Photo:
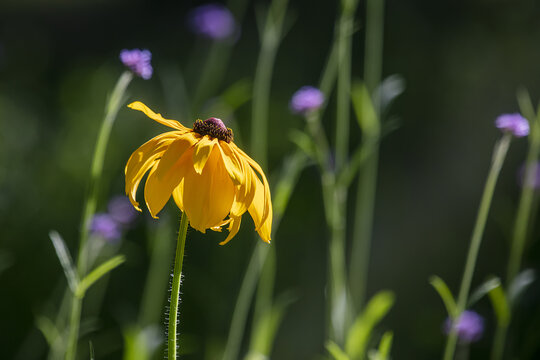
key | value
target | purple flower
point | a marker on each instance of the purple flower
(469, 327)
(103, 225)
(213, 21)
(307, 99)
(121, 210)
(138, 61)
(513, 123)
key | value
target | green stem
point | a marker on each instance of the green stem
(499, 154)
(115, 101)
(175, 291)
(520, 231)
(113, 105)
(367, 182)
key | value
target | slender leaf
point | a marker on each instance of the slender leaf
(520, 283)
(483, 290)
(445, 294)
(91, 348)
(525, 104)
(389, 89)
(98, 273)
(364, 110)
(48, 329)
(304, 142)
(500, 305)
(383, 352)
(360, 332)
(65, 260)
(336, 351)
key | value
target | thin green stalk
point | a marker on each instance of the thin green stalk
(115, 101)
(499, 154)
(270, 38)
(175, 290)
(367, 181)
(113, 105)
(337, 195)
(520, 231)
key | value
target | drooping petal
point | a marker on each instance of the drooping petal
(257, 209)
(266, 187)
(158, 189)
(234, 226)
(137, 105)
(203, 149)
(178, 194)
(246, 191)
(207, 197)
(174, 152)
(142, 160)
(232, 163)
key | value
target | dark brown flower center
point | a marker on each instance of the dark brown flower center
(213, 127)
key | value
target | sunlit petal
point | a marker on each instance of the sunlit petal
(203, 149)
(208, 196)
(232, 163)
(257, 209)
(174, 152)
(234, 226)
(137, 105)
(178, 194)
(142, 160)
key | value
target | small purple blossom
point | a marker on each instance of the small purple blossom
(103, 225)
(138, 61)
(213, 21)
(121, 210)
(513, 123)
(306, 99)
(469, 327)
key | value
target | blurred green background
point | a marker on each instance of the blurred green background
(462, 62)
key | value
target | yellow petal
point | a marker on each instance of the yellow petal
(232, 163)
(257, 209)
(245, 192)
(174, 152)
(142, 160)
(203, 148)
(137, 105)
(178, 195)
(207, 197)
(158, 189)
(234, 226)
(257, 167)
(218, 227)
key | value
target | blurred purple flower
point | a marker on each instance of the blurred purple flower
(103, 225)
(470, 327)
(306, 99)
(213, 21)
(513, 123)
(534, 182)
(138, 61)
(121, 210)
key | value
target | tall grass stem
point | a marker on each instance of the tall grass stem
(499, 154)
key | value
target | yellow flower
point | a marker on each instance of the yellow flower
(208, 176)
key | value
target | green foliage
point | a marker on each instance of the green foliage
(483, 289)
(445, 294)
(500, 305)
(98, 273)
(366, 115)
(361, 331)
(383, 352)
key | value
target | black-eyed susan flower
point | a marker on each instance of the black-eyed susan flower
(208, 176)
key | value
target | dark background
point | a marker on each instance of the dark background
(462, 62)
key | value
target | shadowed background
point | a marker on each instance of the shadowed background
(462, 62)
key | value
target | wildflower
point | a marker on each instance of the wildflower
(208, 176)
(469, 327)
(213, 21)
(138, 61)
(306, 99)
(513, 123)
(103, 225)
(121, 211)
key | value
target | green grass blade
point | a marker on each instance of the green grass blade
(500, 305)
(336, 351)
(65, 260)
(360, 332)
(445, 294)
(482, 290)
(98, 273)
